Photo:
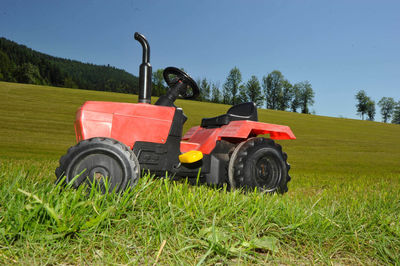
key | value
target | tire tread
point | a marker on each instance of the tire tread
(246, 148)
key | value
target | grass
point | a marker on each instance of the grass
(343, 204)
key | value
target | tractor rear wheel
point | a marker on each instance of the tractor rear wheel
(98, 159)
(259, 163)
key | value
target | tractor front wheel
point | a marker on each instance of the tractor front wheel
(96, 160)
(259, 163)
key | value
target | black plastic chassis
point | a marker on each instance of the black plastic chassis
(162, 158)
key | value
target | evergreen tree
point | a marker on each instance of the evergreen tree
(6, 67)
(285, 96)
(110, 85)
(396, 114)
(226, 96)
(159, 87)
(28, 73)
(253, 91)
(215, 94)
(387, 105)
(204, 90)
(272, 85)
(232, 86)
(278, 92)
(306, 96)
(296, 100)
(242, 98)
(69, 83)
(54, 74)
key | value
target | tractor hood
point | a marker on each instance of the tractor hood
(125, 122)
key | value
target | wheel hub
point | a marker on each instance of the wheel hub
(267, 173)
(99, 173)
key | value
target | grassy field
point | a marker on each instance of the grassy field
(343, 204)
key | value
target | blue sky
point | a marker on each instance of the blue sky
(339, 46)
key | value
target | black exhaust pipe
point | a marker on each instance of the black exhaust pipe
(145, 71)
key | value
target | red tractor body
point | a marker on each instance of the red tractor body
(116, 140)
(128, 123)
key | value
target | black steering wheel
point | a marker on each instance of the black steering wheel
(188, 88)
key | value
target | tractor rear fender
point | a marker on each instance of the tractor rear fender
(204, 139)
(245, 129)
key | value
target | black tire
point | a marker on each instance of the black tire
(259, 162)
(98, 158)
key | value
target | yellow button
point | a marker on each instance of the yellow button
(191, 157)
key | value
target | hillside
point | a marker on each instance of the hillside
(19, 63)
(41, 118)
(342, 206)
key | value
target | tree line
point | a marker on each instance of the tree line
(390, 109)
(273, 92)
(19, 63)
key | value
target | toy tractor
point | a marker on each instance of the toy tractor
(117, 140)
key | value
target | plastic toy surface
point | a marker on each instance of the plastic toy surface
(117, 140)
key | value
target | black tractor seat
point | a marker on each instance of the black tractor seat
(242, 111)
